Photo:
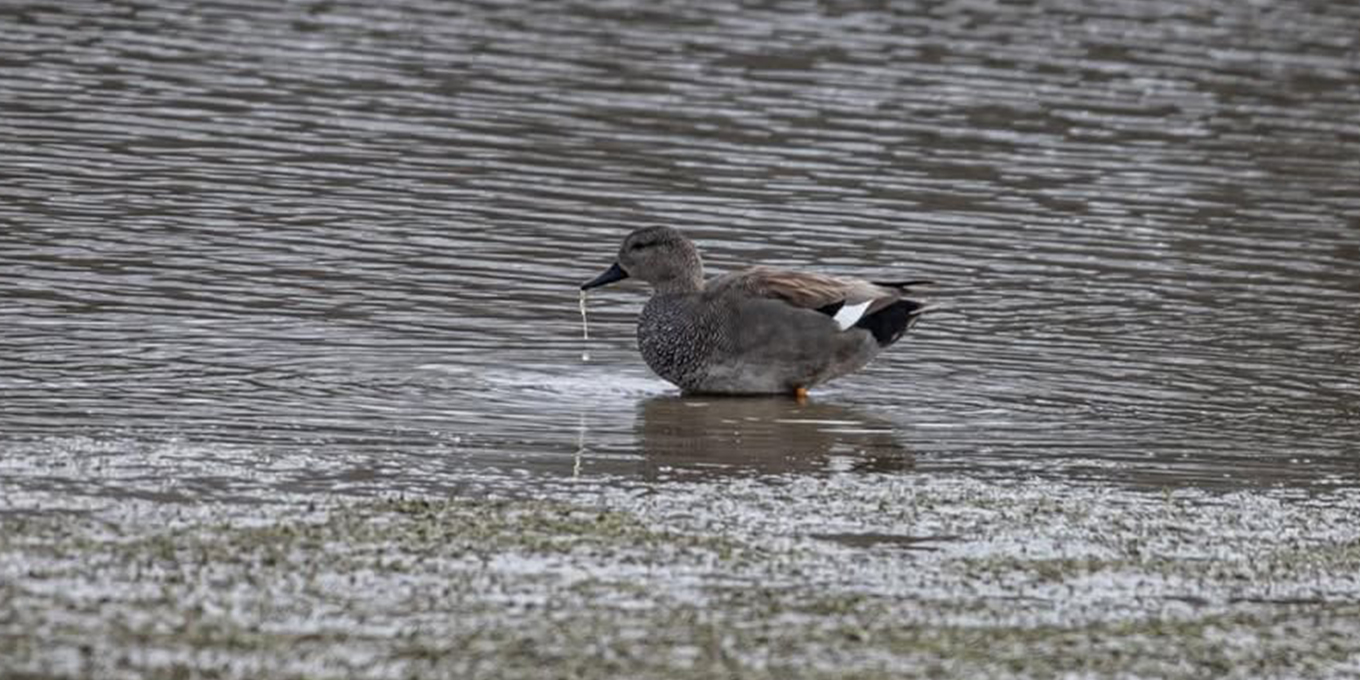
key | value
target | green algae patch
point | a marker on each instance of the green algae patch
(732, 579)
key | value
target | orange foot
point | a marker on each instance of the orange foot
(800, 393)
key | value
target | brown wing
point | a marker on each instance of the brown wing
(806, 290)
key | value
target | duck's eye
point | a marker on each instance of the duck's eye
(638, 246)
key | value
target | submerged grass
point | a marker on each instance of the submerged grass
(1031, 582)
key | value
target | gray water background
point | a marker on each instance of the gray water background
(258, 248)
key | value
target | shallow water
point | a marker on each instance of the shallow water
(255, 248)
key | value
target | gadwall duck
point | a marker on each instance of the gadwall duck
(755, 331)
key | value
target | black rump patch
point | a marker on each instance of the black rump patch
(890, 323)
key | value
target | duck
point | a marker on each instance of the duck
(757, 330)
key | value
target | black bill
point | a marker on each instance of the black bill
(614, 273)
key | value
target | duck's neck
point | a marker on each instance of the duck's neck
(693, 282)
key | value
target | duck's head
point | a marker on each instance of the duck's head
(661, 256)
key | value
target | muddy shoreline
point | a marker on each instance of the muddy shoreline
(860, 576)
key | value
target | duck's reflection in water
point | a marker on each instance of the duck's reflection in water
(687, 437)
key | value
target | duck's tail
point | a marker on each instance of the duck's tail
(903, 285)
(893, 321)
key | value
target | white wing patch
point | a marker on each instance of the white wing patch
(850, 314)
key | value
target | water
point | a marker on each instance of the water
(256, 248)
(585, 329)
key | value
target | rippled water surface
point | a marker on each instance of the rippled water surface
(334, 246)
